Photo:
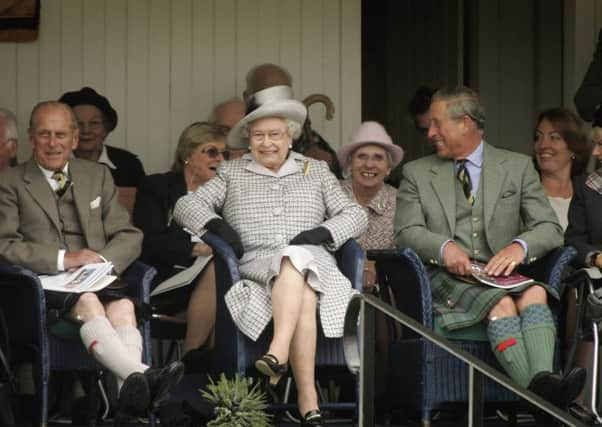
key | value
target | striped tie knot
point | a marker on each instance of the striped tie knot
(464, 178)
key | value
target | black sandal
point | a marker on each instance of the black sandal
(269, 365)
(312, 418)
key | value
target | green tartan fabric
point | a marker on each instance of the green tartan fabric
(459, 304)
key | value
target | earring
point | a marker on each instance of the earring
(290, 146)
(185, 162)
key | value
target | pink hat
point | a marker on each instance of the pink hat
(370, 133)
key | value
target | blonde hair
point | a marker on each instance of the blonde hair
(193, 136)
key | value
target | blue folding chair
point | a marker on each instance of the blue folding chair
(23, 301)
(237, 353)
(423, 375)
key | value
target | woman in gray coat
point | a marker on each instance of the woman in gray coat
(283, 214)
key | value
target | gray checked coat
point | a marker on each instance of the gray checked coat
(267, 210)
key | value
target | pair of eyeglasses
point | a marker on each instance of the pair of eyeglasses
(214, 153)
(272, 135)
(375, 158)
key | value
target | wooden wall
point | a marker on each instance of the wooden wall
(164, 63)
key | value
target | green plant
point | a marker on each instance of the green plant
(238, 403)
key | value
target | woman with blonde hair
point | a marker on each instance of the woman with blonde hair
(169, 248)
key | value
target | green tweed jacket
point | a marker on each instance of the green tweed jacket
(515, 205)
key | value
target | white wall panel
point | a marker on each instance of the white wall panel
(164, 63)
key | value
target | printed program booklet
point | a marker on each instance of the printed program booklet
(87, 278)
(505, 282)
(184, 277)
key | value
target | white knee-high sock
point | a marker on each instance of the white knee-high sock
(132, 340)
(105, 345)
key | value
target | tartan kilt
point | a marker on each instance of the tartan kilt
(459, 304)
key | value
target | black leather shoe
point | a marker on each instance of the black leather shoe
(198, 360)
(572, 384)
(160, 380)
(549, 386)
(269, 365)
(134, 396)
(312, 418)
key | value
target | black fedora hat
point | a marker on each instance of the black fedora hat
(88, 96)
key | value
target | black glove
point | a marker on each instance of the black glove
(315, 236)
(221, 228)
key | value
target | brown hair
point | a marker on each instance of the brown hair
(572, 130)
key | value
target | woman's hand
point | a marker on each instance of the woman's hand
(369, 276)
(223, 230)
(315, 236)
(201, 249)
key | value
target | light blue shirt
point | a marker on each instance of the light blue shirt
(474, 166)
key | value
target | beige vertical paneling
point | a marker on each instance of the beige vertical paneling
(331, 72)
(50, 54)
(8, 76)
(165, 63)
(224, 48)
(28, 70)
(182, 110)
(93, 44)
(202, 57)
(158, 142)
(268, 45)
(312, 22)
(116, 22)
(71, 44)
(137, 130)
(247, 35)
(351, 71)
(290, 41)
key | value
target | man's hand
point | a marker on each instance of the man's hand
(76, 259)
(506, 260)
(455, 259)
(201, 249)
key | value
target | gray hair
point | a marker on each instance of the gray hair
(10, 124)
(294, 128)
(462, 101)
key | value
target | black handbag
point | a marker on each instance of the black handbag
(8, 386)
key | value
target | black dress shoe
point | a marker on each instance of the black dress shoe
(269, 365)
(134, 396)
(549, 386)
(572, 384)
(160, 380)
(312, 418)
(198, 360)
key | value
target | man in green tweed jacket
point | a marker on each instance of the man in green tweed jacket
(472, 201)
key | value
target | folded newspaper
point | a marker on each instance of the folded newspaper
(184, 277)
(87, 278)
(506, 282)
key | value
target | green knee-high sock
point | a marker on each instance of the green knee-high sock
(507, 344)
(539, 333)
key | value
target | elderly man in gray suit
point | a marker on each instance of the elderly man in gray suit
(472, 201)
(58, 213)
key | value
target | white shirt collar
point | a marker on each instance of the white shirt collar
(104, 158)
(48, 175)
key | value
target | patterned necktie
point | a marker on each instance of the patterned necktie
(464, 178)
(61, 178)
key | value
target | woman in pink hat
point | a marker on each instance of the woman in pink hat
(368, 160)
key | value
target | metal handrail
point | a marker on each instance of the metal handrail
(360, 360)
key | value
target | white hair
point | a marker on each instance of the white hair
(293, 129)
(10, 123)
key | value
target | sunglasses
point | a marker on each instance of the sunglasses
(214, 153)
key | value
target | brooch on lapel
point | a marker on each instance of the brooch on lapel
(306, 168)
